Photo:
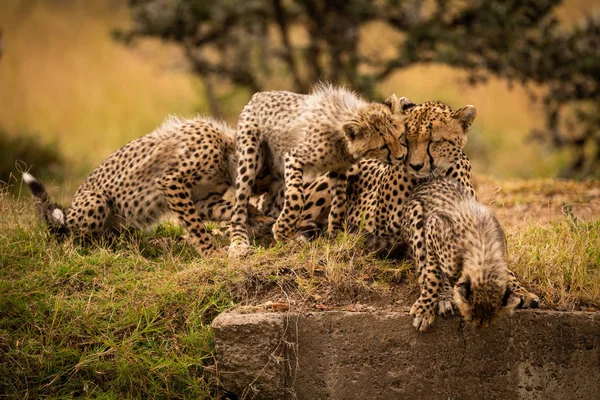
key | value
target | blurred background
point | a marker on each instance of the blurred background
(80, 78)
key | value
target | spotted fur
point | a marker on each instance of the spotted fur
(327, 130)
(185, 167)
(376, 192)
(452, 238)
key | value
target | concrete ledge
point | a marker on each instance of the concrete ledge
(349, 355)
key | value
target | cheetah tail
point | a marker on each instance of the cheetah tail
(52, 213)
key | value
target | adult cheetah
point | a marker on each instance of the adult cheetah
(328, 130)
(453, 239)
(377, 192)
(184, 166)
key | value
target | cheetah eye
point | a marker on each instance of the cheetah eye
(383, 147)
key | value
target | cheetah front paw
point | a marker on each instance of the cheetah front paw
(280, 232)
(528, 300)
(332, 234)
(334, 229)
(424, 315)
(238, 250)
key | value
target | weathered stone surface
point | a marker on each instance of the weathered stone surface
(342, 355)
(251, 354)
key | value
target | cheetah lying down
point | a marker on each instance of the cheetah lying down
(184, 166)
(454, 239)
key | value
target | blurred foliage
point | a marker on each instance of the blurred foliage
(252, 42)
(22, 152)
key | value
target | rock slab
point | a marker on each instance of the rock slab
(378, 355)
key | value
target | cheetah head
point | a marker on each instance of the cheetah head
(377, 131)
(482, 301)
(436, 136)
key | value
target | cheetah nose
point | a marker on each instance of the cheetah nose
(416, 167)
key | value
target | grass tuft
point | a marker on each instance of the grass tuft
(560, 262)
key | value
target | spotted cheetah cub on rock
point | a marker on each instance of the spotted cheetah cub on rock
(455, 240)
(328, 130)
(185, 166)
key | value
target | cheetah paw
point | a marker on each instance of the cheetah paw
(300, 238)
(424, 315)
(332, 233)
(238, 250)
(280, 233)
(445, 307)
(529, 300)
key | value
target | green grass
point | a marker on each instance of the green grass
(132, 318)
(101, 322)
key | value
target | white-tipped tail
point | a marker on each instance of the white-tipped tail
(28, 178)
(59, 216)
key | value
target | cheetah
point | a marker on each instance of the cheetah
(328, 130)
(454, 239)
(184, 166)
(377, 192)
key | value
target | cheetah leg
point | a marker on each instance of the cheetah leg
(527, 299)
(247, 150)
(293, 205)
(430, 275)
(338, 181)
(88, 215)
(445, 254)
(174, 186)
(317, 207)
(446, 302)
(272, 201)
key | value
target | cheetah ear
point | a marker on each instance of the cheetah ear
(405, 104)
(398, 105)
(352, 130)
(393, 103)
(465, 116)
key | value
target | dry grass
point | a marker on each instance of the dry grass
(539, 201)
(560, 262)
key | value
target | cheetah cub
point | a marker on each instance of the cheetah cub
(453, 238)
(328, 130)
(184, 166)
